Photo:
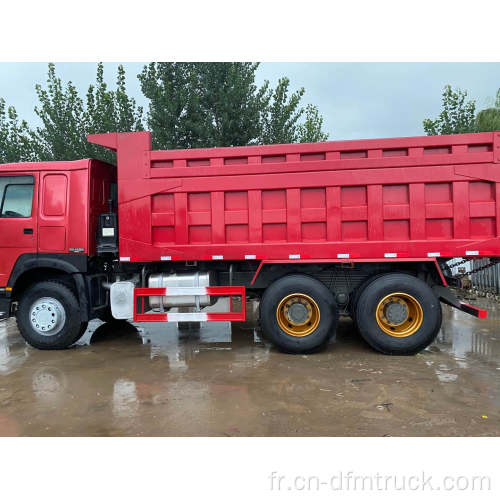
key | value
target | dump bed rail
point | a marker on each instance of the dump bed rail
(390, 198)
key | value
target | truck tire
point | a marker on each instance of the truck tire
(356, 294)
(398, 314)
(48, 316)
(298, 314)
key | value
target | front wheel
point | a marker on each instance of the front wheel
(48, 316)
(298, 314)
(398, 314)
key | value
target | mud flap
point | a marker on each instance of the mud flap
(4, 307)
(446, 296)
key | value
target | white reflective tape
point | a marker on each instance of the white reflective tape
(294, 256)
(250, 257)
(433, 254)
(390, 255)
(124, 259)
(180, 317)
(217, 257)
(185, 290)
(166, 257)
(342, 256)
(472, 252)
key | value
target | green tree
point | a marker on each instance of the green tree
(174, 115)
(456, 117)
(311, 129)
(191, 105)
(219, 104)
(488, 120)
(67, 118)
(128, 114)
(280, 119)
(230, 102)
(61, 111)
(15, 137)
(284, 121)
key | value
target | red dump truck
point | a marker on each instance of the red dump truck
(365, 228)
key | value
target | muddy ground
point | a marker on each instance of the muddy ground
(222, 380)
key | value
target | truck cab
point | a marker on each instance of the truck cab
(48, 220)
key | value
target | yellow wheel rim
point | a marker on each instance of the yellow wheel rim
(298, 315)
(399, 314)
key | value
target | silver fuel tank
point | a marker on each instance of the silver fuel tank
(197, 279)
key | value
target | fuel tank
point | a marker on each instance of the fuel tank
(197, 279)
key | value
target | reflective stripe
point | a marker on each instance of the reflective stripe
(472, 252)
(433, 254)
(186, 317)
(343, 256)
(250, 257)
(294, 256)
(217, 257)
(185, 290)
(166, 257)
(390, 255)
(124, 259)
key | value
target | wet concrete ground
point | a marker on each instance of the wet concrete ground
(223, 381)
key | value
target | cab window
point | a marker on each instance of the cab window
(16, 196)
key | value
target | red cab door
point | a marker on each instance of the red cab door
(53, 212)
(18, 219)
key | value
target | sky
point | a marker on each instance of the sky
(357, 100)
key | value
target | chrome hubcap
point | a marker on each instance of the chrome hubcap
(47, 316)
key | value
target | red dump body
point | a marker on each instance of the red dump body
(415, 198)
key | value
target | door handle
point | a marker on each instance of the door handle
(28, 230)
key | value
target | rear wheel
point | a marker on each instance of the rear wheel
(357, 294)
(398, 314)
(298, 314)
(48, 316)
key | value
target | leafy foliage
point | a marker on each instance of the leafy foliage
(281, 115)
(230, 102)
(191, 105)
(456, 117)
(15, 140)
(311, 129)
(174, 110)
(488, 120)
(61, 112)
(219, 104)
(67, 119)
